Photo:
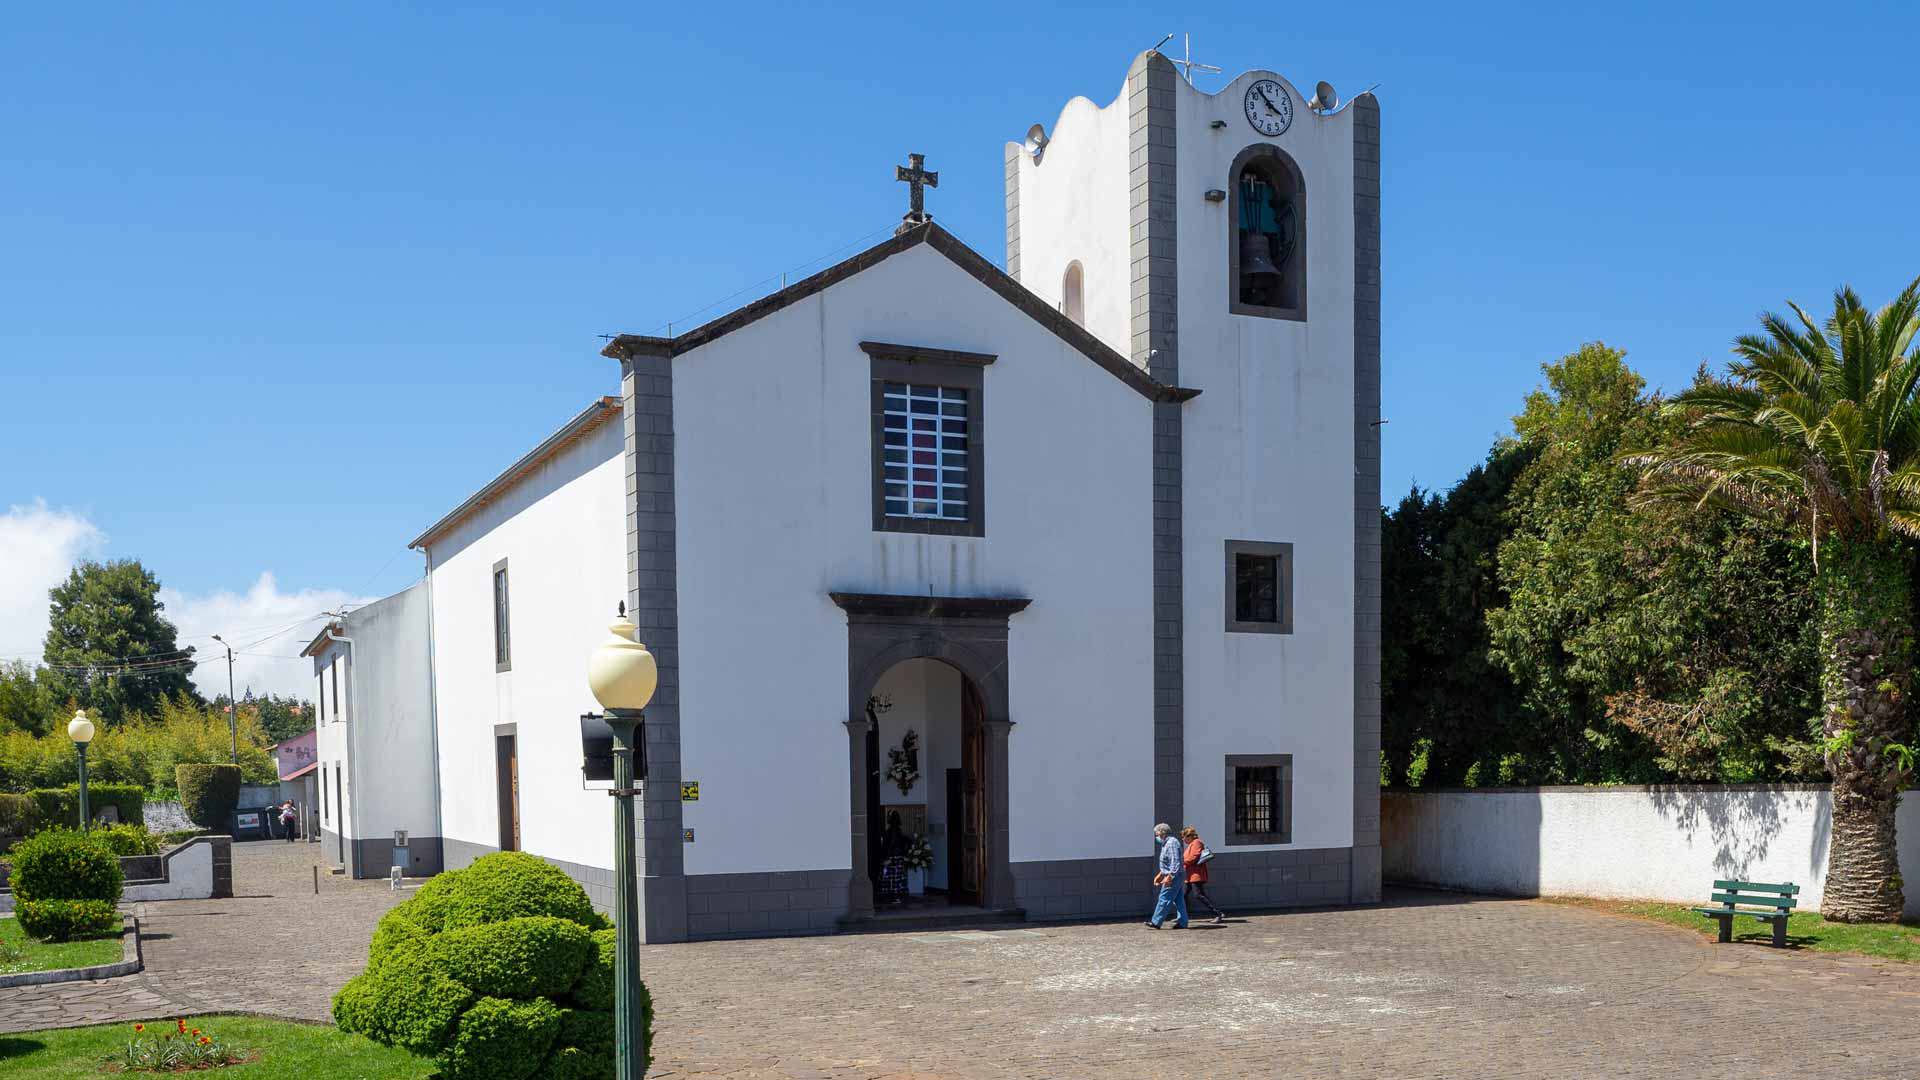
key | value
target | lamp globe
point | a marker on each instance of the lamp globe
(622, 673)
(80, 729)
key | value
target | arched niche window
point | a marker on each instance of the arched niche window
(1267, 261)
(1073, 301)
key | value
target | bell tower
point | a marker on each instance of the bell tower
(1229, 241)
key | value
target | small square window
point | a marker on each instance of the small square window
(1259, 799)
(927, 447)
(1259, 587)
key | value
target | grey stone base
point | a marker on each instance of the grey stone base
(780, 903)
(374, 858)
(1246, 880)
(459, 854)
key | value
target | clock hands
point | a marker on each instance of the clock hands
(1268, 100)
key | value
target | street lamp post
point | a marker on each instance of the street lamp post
(622, 675)
(233, 707)
(80, 730)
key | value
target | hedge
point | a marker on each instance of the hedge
(208, 793)
(64, 920)
(127, 840)
(500, 971)
(57, 808)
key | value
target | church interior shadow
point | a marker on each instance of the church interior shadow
(13, 1046)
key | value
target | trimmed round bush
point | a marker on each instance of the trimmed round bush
(514, 885)
(65, 864)
(500, 1039)
(539, 956)
(208, 793)
(64, 920)
(501, 970)
(127, 840)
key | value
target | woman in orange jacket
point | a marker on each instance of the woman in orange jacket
(1194, 866)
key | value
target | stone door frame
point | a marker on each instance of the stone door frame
(967, 633)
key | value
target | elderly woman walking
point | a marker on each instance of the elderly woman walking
(1167, 875)
(1194, 862)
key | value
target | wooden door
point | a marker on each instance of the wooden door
(507, 760)
(971, 859)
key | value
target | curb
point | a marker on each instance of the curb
(130, 963)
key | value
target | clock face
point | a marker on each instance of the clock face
(1269, 109)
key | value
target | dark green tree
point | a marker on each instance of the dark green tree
(113, 650)
(1816, 429)
(29, 699)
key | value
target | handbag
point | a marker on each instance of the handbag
(1206, 856)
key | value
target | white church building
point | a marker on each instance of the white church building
(1025, 561)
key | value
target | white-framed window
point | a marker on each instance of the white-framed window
(925, 453)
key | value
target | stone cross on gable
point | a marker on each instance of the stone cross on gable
(916, 177)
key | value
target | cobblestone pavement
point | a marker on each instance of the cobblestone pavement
(1428, 986)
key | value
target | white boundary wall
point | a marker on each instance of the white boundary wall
(1654, 843)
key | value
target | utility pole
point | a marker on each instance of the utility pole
(233, 705)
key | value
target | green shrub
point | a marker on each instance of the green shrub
(208, 793)
(501, 1039)
(64, 920)
(16, 815)
(514, 885)
(175, 837)
(126, 840)
(65, 864)
(534, 957)
(59, 808)
(481, 969)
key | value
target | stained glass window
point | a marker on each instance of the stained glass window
(924, 443)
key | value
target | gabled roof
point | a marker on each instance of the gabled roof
(627, 346)
(572, 431)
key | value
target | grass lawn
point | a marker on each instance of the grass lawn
(1805, 929)
(41, 956)
(288, 1051)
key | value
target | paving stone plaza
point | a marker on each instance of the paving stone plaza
(1427, 985)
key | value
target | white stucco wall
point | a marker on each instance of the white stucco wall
(1621, 843)
(563, 534)
(333, 666)
(1075, 202)
(774, 510)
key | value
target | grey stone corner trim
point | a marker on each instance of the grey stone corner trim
(925, 354)
(1013, 211)
(1366, 499)
(1152, 220)
(646, 389)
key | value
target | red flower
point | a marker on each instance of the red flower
(204, 1040)
(196, 1031)
(139, 1027)
(183, 1027)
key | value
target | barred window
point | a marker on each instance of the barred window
(1254, 793)
(1259, 799)
(924, 443)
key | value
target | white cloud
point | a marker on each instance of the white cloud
(267, 628)
(38, 546)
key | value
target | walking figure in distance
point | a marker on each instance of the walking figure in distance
(1173, 893)
(1194, 861)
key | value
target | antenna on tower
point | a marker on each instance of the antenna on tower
(1187, 64)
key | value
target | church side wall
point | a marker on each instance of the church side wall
(1073, 206)
(563, 533)
(773, 479)
(391, 736)
(1268, 455)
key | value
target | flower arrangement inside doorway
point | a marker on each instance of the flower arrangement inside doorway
(903, 762)
(176, 1048)
(919, 854)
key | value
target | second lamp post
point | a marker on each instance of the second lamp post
(623, 675)
(80, 730)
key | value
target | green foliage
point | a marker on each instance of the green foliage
(595, 990)
(59, 808)
(480, 970)
(107, 616)
(127, 840)
(501, 1039)
(537, 956)
(65, 920)
(208, 793)
(65, 864)
(143, 750)
(30, 700)
(514, 885)
(17, 815)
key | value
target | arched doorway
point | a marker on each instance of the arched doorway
(968, 636)
(926, 786)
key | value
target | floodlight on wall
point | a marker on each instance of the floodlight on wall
(1324, 98)
(1036, 142)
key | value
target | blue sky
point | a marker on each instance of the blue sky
(278, 288)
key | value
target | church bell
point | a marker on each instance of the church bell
(1256, 255)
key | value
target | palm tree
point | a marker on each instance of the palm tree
(1817, 428)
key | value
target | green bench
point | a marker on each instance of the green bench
(1768, 903)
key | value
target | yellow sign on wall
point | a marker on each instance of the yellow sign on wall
(690, 791)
